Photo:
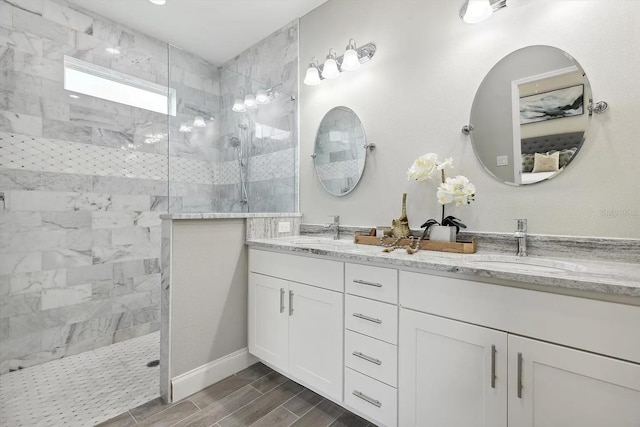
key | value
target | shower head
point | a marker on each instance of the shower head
(234, 141)
(242, 126)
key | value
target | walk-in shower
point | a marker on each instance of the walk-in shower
(85, 177)
(236, 143)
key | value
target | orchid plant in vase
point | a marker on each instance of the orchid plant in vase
(458, 189)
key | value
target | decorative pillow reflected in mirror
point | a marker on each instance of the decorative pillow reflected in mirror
(532, 104)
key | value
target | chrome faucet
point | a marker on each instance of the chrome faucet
(335, 225)
(521, 237)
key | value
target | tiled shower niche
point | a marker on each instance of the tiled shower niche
(84, 180)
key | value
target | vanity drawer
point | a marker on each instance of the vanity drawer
(371, 397)
(376, 319)
(371, 357)
(323, 273)
(372, 282)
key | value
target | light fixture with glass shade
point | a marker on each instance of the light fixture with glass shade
(262, 97)
(474, 11)
(350, 60)
(250, 101)
(184, 128)
(158, 2)
(199, 122)
(330, 67)
(238, 106)
(312, 78)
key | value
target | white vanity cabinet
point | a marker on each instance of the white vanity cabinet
(457, 373)
(296, 327)
(371, 342)
(451, 373)
(551, 385)
(405, 348)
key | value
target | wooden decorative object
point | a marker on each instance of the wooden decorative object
(400, 226)
(462, 247)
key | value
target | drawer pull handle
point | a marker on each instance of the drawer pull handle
(367, 358)
(281, 300)
(370, 319)
(290, 303)
(493, 366)
(364, 282)
(519, 384)
(367, 399)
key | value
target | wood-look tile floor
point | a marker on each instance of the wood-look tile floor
(256, 396)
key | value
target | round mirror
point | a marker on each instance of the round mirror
(339, 153)
(529, 116)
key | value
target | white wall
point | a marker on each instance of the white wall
(416, 94)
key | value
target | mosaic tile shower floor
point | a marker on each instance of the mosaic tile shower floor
(84, 389)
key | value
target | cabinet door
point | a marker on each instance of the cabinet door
(450, 373)
(268, 319)
(315, 338)
(554, 386)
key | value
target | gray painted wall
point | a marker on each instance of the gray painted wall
(209, 292)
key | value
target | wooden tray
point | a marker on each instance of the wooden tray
(461, 246)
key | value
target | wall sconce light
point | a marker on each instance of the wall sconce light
(262, 97)
(350, 61)
(238, 106)
(474, 11)
(250, 101)
(330, 68)
(199, 122)
(312, 78)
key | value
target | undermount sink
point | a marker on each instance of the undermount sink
(317, 242)
(525, 264)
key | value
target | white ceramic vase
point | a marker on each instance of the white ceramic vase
(442, 233)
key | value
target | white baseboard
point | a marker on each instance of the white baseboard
(203, 376)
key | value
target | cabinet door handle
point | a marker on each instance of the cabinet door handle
(364, 282)
(370, 319)
(493, 366)
(281, 300)
(290, 303)
(367, 358)
(367, 399)
(519, 385)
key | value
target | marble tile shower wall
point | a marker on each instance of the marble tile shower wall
(272, 140)
(85, 181)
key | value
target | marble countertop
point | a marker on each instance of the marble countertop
(218, 215)
(611, 278)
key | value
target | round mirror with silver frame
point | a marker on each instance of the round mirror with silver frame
(340, 151)
(530, 115)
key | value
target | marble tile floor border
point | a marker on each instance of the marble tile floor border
(256, 396)
(84, 389)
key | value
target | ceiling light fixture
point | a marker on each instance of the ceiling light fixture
(185, 128)
(350, 61)
(113, 50)
(474, 11)
(159, 2)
